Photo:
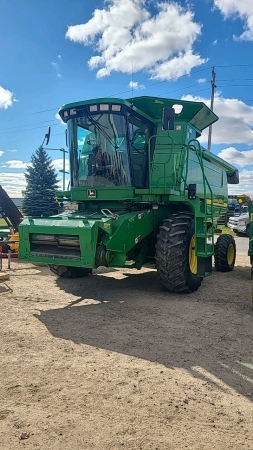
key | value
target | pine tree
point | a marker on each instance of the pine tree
(39, 197)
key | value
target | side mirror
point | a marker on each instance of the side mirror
(47, 136)
(233, 179)
(168, 119)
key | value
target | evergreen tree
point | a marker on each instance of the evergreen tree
(39, 197)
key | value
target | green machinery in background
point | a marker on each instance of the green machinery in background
(145, 190)
(250, 252)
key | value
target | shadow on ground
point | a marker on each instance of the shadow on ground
(209, 333)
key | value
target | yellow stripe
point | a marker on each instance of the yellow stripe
(251, 217)
(217, 203)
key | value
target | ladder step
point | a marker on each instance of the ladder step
(204, 254)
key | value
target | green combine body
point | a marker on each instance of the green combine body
(145, 190)
(250, 251)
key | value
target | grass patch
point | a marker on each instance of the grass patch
(226, 230)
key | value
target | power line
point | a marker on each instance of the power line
(33, 139)
(129, 90)
(238, 79)
(234, 65)
(30, 114)
(185, 88)
(112, 95)
(231, 85)
(28, 125)
(159, 82)
(28, 129)
(48, 121)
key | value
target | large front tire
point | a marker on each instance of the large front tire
(225, 253)
(69, 272)
(176, 259)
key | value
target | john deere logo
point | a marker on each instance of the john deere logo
(92, 193)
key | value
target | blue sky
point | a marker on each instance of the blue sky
(54, 52)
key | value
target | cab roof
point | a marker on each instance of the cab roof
(195, 113)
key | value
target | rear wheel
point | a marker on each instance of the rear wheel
(176, 259)
(69, 272)
(225, 253)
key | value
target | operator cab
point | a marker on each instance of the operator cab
(108, 145)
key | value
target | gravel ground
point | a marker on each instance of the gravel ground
(113, 361)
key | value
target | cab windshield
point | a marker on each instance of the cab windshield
(99, 154)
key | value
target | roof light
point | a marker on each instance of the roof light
(104, 107)
(72, 112)
(93, 108)
(178, 108)
(116, 107)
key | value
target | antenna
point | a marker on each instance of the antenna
(211, 107)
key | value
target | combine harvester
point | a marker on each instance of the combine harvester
(145, 191)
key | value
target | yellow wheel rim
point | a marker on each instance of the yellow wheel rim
(230, 254)
(193, 262)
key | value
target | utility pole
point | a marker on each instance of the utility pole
(211, 107)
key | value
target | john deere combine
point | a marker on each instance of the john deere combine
(145, 192)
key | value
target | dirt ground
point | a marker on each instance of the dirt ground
(112, 361)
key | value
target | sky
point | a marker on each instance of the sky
(55, 52)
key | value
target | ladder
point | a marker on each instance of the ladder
(204, 223)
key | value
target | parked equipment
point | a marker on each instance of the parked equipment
(145, 192)
(12, 216)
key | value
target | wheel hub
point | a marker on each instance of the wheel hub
(193, 260)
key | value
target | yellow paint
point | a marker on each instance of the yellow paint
(217, 203)
(193, 261)
(14, 246)
(231, 254)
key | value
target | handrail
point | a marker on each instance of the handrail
(198, 151)
(152, 163)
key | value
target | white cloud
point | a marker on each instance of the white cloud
(245, 186)
(246, 177)
(234, 156)
(16, 164)
(60, 183)
(12, 150)
(1, 152)
(13, 183)
(55, 65)
(135, 85)
(126, 35)
(58, 117)
(6, 98)
(58, 164)
(238, 8)
(239, 189)
(235, 124)
(201, 80)
(215, 42)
